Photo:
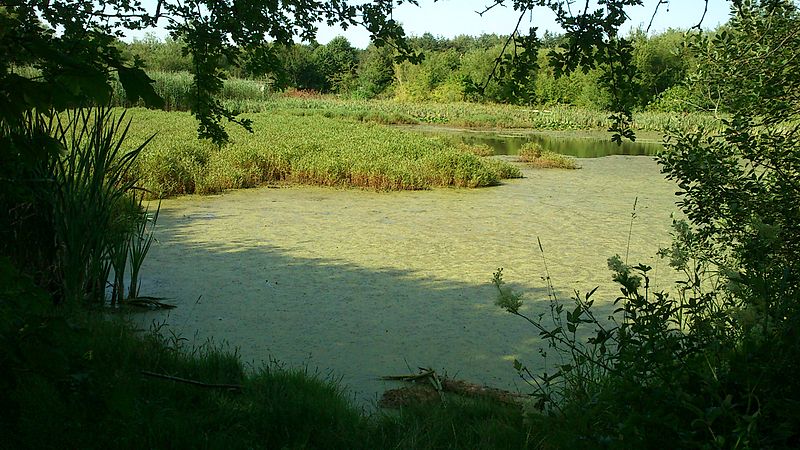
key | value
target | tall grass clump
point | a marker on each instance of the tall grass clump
(175, 89)
(309, 150)
(533, 154)
(71, 209)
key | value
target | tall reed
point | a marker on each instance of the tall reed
(92, 184)
(71, 196)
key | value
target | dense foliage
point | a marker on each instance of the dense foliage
(713, 364)
(457, 69)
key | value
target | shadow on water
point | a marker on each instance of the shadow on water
(366, 284)
(359, 324)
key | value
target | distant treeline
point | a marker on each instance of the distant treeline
(665, 62)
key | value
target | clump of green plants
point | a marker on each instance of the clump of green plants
(308, 150)
(71, 201)
(476, 149)
(533, 154)
(503, 169)
(687, 368)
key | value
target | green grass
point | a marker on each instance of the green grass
(533, 154)
(250, 96)
(175, 89)
(74, 379)
(308, 150)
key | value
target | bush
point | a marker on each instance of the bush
(712, 365)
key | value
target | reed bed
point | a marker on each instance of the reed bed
(175, 88)
(307, 150)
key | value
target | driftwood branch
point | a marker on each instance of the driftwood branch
(230, 387)
(436, 386)
(148, 302)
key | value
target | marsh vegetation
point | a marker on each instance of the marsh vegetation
(368, 248)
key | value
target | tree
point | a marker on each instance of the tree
(336, 62)
(156, 55)
(740, 188)
(299, 65)
(72, 43)
(376, 71)
(662, 62)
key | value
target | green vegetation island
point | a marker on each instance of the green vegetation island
(378, 178)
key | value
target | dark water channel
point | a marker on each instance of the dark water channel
(577, 144)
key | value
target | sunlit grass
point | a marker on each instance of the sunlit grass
(250, 96)
(533, 154)
(308, 150)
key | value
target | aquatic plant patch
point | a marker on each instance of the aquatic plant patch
(533, 154)
(308, 150)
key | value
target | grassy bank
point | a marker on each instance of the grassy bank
(82, 380)
(309, 150)
(249, 96)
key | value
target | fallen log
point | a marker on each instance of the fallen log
(148, 302)
(428, 386)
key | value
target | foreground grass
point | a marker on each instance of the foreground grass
(79, 380)
(308, 150)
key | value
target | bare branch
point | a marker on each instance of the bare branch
(503, 52)
(655, 12)
(230, 387)
(490, 7)
(705, 10)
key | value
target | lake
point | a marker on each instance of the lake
(362, 284)
(580, 144)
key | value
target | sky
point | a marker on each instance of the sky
(450, 18)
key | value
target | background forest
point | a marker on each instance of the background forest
(665, 65)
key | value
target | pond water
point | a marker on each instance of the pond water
(578, 144)
(365, 284)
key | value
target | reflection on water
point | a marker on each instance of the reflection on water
(565, 144)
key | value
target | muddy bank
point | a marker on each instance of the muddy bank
(366, 284)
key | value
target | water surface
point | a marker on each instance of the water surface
(581, 144)
(366, 284)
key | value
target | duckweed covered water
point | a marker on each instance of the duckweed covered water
(366, 284)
